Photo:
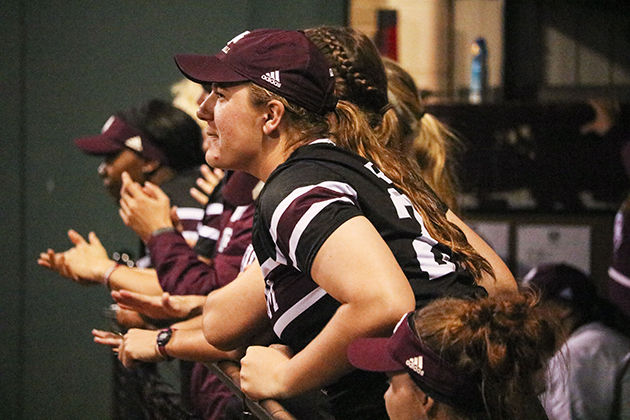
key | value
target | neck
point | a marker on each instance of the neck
(274, 153)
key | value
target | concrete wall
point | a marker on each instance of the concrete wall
(66, 67)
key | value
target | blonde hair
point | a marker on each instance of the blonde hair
(422, 135)
(350, 129)
(186, 93)
(505, 339)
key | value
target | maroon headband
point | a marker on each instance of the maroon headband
(115, 135)
(404, 351)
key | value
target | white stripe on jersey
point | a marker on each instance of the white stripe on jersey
(190, 236)
(214, 209)
(189, 213)
(238, 213)
(618, 277)
(208, 232)
(296, 310)
(268, 266)
(249, 256)
(340, 187)
(304, 221)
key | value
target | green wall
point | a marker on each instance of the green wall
(65, 67)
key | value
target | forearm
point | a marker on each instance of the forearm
(324, 360)
(190, 324)
(246, 291)
(178, 267)
(190, 344)
(135, 279)
(503, 279)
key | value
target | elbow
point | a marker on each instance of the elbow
(213, 326)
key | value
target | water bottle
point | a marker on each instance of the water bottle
(478, 71)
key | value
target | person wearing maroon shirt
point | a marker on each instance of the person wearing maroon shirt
(181, 272)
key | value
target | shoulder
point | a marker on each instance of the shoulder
(595, 339)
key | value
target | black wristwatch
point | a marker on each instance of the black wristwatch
(162, 339)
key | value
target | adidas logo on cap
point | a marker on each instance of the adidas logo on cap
(415, 364)
(134, 143)
(272, 77)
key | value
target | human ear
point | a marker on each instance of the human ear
(275, 112)
(429, 405)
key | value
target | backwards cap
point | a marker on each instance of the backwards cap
(404, 351)
(284, 62)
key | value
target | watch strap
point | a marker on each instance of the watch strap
(160, 344)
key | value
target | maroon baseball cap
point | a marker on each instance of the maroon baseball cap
(117, 135)
(284, 62)
(404, 351)
(562, 282)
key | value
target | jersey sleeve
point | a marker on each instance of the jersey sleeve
(300, 217)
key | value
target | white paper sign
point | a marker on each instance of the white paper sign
(496, 234)
(540, 244)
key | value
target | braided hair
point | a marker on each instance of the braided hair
(505, 339)
(366, 124)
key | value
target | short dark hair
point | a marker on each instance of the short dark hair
(170, 129)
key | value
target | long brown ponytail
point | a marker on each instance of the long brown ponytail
(366, 125)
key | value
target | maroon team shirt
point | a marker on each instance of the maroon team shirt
(181, 272)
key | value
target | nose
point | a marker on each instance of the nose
(205, 111)
(202, 97)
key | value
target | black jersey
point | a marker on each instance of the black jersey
(307, 198)
(303, 202)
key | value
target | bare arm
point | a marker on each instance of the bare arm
(237, 312)
(88, 263)
(503, 279)
(373, 292)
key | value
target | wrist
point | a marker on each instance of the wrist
(159, 231)
(161, 340)
(107, 273)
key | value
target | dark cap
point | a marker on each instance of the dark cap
(117, 135)
(284, 62)
(404, 351)
(564, 283)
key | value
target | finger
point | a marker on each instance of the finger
(75, 238)
(199, 197)
(167, 302)
(130, 298)
(43, 263)
(174, 216)
(94, 239)
(123, 216)
(206, 187)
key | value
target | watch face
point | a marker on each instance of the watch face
(163, 337)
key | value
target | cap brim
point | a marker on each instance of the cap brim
(372, 354)
(206, 69)
(98, 145)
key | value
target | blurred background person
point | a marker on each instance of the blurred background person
(588, 377)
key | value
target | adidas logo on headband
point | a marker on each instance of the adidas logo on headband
(415, 364)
